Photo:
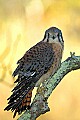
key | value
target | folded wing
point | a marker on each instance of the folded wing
(35, 62)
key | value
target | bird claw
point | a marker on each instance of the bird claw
(40, 90)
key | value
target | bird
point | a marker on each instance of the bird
(37, 64)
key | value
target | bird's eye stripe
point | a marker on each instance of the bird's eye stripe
(48, 38)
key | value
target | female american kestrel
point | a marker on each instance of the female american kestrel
(38, 64)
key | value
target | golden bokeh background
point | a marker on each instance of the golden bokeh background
(22, 25)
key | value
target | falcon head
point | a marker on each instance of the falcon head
(52, 35)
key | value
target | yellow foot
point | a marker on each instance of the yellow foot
(41, 90)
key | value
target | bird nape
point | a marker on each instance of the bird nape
(37, 64)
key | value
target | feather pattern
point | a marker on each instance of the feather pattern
(29, 70)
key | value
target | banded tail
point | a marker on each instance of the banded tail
(25, 104)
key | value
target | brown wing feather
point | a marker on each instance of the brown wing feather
(36, 62)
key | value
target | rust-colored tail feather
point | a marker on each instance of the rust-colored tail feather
(25, 104)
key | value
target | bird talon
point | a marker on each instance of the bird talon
(40, 90)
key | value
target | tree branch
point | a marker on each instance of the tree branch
(39, 105)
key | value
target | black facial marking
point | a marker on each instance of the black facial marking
(48, 38)
(58, 37)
